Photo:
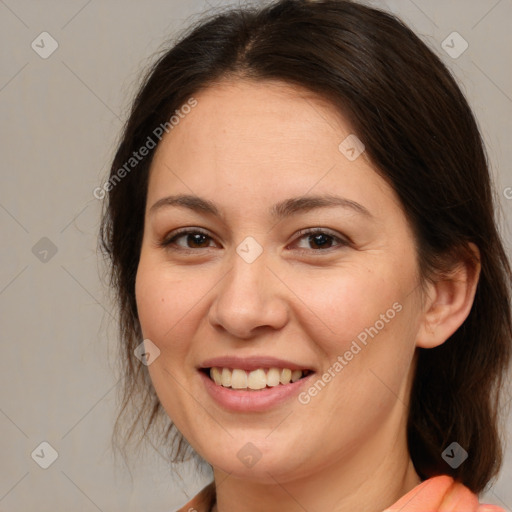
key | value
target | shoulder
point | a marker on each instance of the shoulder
(441, 493)
(202, 501)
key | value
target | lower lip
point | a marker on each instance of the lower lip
(253, 401)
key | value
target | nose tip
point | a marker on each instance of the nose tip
(249, 298)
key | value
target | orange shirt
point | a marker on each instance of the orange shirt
(436, 494)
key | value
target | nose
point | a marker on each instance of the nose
(249, 299)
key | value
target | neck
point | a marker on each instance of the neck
(367, 482)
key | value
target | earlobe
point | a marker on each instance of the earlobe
(449, 301)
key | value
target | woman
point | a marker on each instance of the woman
(301, 232)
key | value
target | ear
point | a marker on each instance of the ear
(448, 301)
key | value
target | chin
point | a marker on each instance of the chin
(252, 463)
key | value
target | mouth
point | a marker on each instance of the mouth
(236, 379)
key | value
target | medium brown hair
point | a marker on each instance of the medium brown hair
(420, 135)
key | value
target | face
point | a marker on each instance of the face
(331, 288)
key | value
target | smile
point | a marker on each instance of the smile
(255, 380)
(244, 399)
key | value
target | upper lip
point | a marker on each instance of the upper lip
(252, 363)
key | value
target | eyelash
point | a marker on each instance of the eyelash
(168, 242)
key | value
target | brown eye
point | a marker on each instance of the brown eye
(316, 239)
(194, 239)
(320, 239)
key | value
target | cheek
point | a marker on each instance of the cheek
(165, 309)
(346, 301)
(172, 305)
(151, 301)
(364, 316)
(162, 302)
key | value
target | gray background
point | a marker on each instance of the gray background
(61, 117)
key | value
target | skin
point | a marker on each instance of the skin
(246, 146)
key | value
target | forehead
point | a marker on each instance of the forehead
(257, 141)
(248, 118)
(261, 125)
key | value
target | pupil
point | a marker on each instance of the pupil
(319, 237)
(195, 238)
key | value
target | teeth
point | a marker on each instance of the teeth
(296, 375)
(216, 376)
(238, 379)
(273, 377)
(256, 379)
(226, 377)
(286, 376)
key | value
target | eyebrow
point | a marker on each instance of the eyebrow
(278, 211)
